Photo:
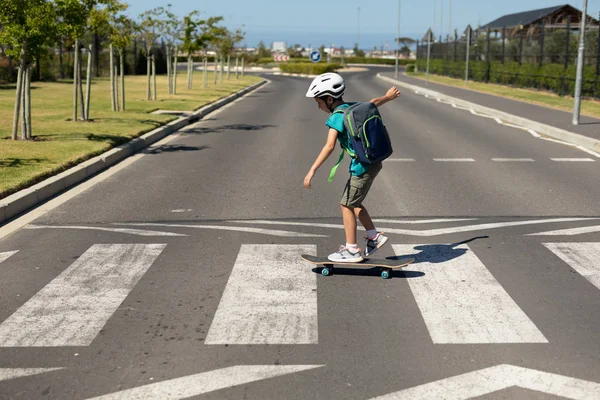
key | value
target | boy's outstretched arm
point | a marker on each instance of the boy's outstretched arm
(323, 155)
(391, 94)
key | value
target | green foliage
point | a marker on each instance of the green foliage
(309, 68)
(410, 68)
(550, 77)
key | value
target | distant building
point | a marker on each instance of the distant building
(279, 47)
(530, 21)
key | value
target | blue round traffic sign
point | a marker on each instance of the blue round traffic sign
(315, 56)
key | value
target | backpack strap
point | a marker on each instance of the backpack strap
(335, 167)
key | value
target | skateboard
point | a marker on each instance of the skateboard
(386, 265)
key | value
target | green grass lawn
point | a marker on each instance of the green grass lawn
(588, 107)
(58, 143)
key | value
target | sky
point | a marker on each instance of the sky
(316, 22)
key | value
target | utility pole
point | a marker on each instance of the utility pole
(398, 39)
(580, 61)
(358, 30)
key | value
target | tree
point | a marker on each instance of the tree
(358, 52)
(147, 32)
(263, 52)
(123, 30)
(27, 28)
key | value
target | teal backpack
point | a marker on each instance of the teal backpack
(366, 133)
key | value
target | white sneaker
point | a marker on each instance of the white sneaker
(372, 245)
(346, 255)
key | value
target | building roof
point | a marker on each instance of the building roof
(523, 18)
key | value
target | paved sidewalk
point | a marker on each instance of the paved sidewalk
(589, 127)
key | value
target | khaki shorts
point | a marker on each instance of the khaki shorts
(357, 187)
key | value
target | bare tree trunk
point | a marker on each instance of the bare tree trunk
(24, 103)
(221, 69)
(16, 115)
(122, 57)
(111, 57)
(148, 71)
(75, 65)
(205, 73)
(169, 75)
(88, 83)
(154, 77)
(28, 102)
(216, 70)
(174, 70)
(228, 66)
(188, 70)
(80, 88)
(116, 80)
(237, 75)
(60, 58)
(243, 65)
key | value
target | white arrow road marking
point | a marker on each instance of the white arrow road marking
(460, 299)
(423, 221)
(488, 380)
(270, 298)
(230, 228)
(194, 385)
(73, 308)
(4, 256)
(569, 232)
(137, 232)
(582, 257)
(12, 373)
(427, 232)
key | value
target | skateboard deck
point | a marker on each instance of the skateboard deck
(386, 265)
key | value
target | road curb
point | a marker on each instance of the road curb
(546, 130)
(28, 198)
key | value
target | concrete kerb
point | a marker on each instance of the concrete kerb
(543, 129)
(25, 199)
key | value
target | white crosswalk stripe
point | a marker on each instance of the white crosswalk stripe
(461, 301)
(582, 257)
(73, 308)
(270, 298)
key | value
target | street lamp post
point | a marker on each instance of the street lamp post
(580, 61)
(398, 39)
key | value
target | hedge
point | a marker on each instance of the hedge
(551, 77)
(372, 60)
(308, 68)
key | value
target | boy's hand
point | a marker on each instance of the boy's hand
(393, 93)
(308, 178)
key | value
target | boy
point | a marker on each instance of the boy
(327, 90)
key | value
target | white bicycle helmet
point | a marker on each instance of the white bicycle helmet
(327, 84)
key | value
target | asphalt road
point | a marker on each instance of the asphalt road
(177, 273)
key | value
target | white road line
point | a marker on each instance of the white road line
(270, 298)
(73, 308)
(485, 381)
(595, 154)
(427, 232)
(270, 232)
(137, 232)
(569, 232)
(513, 159)
(6, 255)
(423, 221)
(582, 257)
(194, 385)
(453, 160)
(12, 373)
(461, 301)
(573, 159)
(401, 159)
(533, 133)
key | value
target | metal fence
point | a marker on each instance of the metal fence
(541, 57)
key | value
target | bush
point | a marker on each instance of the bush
(308, 68)
(410, 68)
(372, 60)
(550, 77)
